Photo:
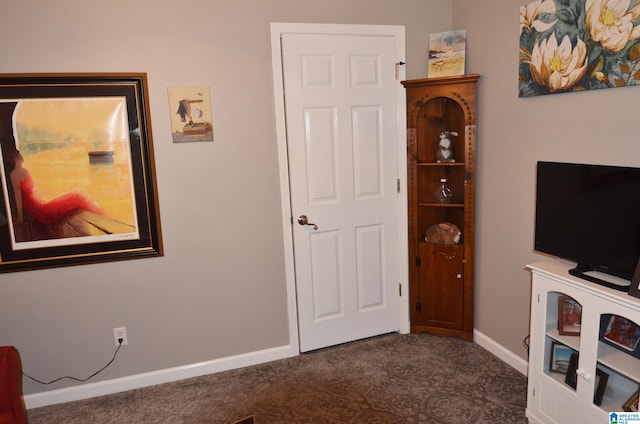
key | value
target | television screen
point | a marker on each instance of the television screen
(589, 214)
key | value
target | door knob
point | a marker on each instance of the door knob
(582, 373)
(303, 220)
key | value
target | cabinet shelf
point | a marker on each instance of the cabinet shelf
(458, 245)
(619, 361)
(441, 164)
(571, 341)
(441, 205)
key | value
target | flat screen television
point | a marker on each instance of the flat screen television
(590, 215)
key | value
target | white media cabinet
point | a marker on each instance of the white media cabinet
(549, 398)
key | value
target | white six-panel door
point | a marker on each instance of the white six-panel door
(341, 131)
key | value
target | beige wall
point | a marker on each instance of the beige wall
(220, 288)
(513, 133)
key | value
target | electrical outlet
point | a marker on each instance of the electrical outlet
(120, 333)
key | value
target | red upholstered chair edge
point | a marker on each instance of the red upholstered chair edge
(12, 409)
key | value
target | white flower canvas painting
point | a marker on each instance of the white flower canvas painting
(578, 45)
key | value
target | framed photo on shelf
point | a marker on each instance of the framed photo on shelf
(571, 377)
(631, 405)
(622, 332)
(569, 316)
(601, 384)
(560, 357)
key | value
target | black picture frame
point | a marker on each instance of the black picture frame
(571, 377)
(600, 386)
(634, 288)
(79, 235)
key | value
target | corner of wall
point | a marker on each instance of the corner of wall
(501, 352)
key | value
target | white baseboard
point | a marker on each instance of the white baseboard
(137, 381)
(501, 352)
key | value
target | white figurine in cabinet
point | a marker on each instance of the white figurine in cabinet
(445, 149)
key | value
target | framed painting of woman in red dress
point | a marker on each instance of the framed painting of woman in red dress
(78, 175)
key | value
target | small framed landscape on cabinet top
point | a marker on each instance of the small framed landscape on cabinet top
(447, 52)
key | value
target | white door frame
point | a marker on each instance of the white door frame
(398, 32)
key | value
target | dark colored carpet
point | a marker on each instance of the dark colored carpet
(411, 378)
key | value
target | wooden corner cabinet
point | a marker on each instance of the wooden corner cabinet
(581, 366)
(441, 150)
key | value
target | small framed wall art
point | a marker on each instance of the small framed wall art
(191, 118)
